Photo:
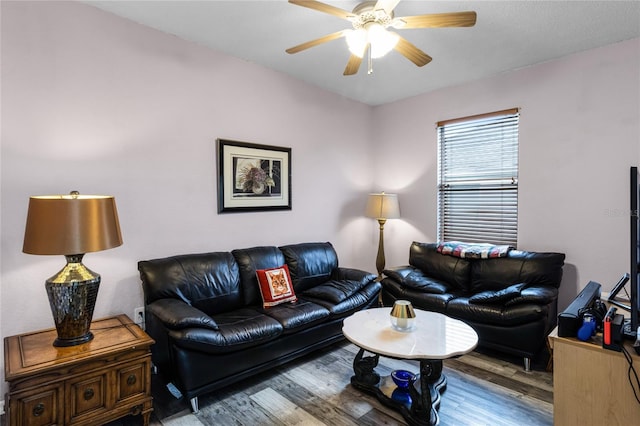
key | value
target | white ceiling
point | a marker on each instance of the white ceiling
(508, 35)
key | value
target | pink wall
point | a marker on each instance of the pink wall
(579, 133)
(99, 104)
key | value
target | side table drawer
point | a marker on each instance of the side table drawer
(39, 407)
(87, 395)
(131, 381)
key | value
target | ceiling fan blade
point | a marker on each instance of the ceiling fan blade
(323, 7)
(312, 43)
(438, 20)
(353, 65)
(412, 53)
(387, 5)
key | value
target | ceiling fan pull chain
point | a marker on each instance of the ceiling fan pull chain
(370, 61)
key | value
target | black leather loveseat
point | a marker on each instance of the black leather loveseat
(206, 312)
(510, 301)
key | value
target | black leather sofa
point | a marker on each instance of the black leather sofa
(510, 301)
(205, 312)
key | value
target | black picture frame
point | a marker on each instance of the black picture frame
(253, 177)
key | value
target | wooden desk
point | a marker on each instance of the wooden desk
(89, 384)
(591, 384)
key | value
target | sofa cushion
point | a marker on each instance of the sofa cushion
(249, 261)
(310, 264)
(297, 316)
(451, 270)
(360, 299)
(335, 291)
(275, 286)
(500, 296)
(208, 281)
(237, 330)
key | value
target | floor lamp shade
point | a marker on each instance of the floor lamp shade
(72, 225)
(382, 207)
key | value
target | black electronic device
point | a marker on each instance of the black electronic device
(570, 320)
(630, 329)
(614, 293)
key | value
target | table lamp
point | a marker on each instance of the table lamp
(382, 207)
(72, 225)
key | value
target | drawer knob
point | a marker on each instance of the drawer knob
(131, 380)
(88, 394)
(38, 410)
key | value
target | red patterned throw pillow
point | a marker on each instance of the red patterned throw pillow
(275, 286)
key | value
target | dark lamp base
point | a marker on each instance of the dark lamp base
(61, 343)
(72, 297)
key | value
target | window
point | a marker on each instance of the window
(478, 178)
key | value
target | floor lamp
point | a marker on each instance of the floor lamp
(72, 225)
(382, 207)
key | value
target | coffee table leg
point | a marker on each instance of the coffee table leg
(363, 367)
(425, 404)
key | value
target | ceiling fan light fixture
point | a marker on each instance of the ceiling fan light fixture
(370, 20)
(381, 40)
(357, 41)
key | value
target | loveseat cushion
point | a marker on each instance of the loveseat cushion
(500, 296)
(208, 281)
(237, 330)
(534, 294)
(310, 264)
(533, 268)
(453, 271)
(460, 308)
(249, 261)
(416, 279)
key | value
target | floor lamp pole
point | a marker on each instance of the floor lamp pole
(380, 258)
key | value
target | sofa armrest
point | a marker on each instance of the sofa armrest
(176, 314)
(540, 295)
(399, 273)
(352, 274)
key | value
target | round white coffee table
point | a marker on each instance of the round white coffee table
(435, 337)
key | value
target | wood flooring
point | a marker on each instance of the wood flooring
(483, 389)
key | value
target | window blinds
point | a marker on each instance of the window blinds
(478, 179)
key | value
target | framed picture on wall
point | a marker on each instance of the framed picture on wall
(253, 177)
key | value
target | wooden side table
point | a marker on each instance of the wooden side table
(591, 385)
(90, 384)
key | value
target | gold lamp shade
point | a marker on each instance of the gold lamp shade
(72, 225)
(402, 315)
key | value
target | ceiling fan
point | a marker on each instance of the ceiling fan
(370, 20)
